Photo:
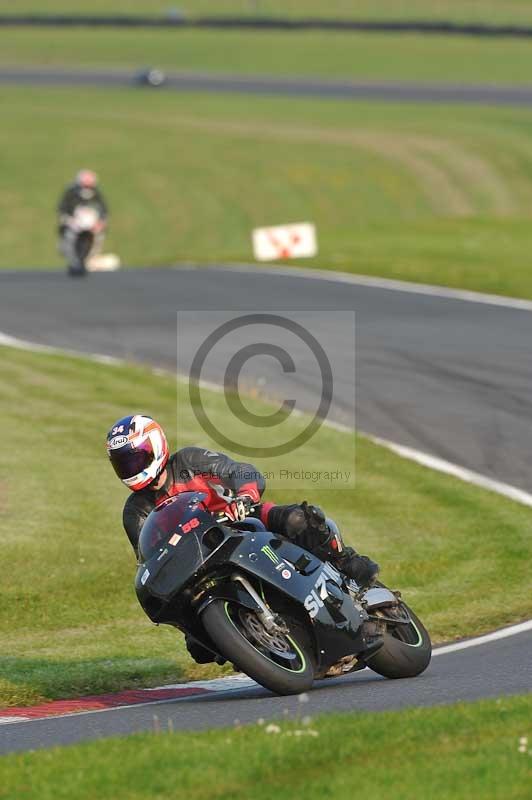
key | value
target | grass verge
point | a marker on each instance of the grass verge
(438, 194)
(450, 753)
(69, 620)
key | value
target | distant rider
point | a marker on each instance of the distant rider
(83, 191)
(138, 451)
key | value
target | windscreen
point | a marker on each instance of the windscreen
(163, 522)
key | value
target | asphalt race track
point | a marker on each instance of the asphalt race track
(396, 91)
(490, 670)
(447, 376)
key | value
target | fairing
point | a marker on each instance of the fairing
(178, 563)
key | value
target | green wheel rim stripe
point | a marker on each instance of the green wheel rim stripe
(292, 642)
(419, 636)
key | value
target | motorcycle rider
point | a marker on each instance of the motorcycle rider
(138, 451)
(83, 191)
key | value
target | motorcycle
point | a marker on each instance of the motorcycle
(274, 610)
(81, 238)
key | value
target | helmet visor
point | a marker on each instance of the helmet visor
(129, 461)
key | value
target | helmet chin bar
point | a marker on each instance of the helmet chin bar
(133, 482)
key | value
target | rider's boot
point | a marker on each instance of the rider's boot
(308, 526)
(360, 568)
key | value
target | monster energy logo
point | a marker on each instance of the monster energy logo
(272, 555)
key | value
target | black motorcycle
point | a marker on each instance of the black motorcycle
(275, 611)
(82, 234)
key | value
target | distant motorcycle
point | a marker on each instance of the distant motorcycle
(271, 608)
(82, 238)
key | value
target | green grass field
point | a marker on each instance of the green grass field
(69, 620)
(324, 55)
(451, 753)
(439, 194)
(515, 11)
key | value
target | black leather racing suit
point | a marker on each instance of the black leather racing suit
(193, 469)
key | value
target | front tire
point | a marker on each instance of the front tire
(76, 271)
(406, 651)
(281, 662)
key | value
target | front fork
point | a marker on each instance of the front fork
(270, 621)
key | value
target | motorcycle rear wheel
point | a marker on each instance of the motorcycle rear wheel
(281, 662)
(406, 651)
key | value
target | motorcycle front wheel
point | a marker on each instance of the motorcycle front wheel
(281, 662)
(407, 648)
(76, 271)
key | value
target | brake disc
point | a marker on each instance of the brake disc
(275, 641)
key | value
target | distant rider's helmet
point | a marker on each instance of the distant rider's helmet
(86, 179)
(138, 450)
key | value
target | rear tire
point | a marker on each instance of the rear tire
(406, 651)
(283, 664)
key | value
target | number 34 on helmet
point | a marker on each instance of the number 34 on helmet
(138, 450)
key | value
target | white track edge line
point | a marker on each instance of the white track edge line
(238, 681)
(462, 473)
(35, 347)
(503, 633)
(390, 284)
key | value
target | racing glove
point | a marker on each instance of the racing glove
(237, 510)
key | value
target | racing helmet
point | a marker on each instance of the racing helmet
(87, 179)
(138, 450)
